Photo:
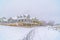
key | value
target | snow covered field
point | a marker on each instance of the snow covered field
(36, 33)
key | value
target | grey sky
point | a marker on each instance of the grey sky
(43, 9)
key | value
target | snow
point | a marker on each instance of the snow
(42, 34)
(35, 33)
(12, 33)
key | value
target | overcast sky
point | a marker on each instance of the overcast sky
(42, 9)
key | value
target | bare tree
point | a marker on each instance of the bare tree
(51, 23)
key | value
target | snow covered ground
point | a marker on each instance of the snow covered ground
(36, 33)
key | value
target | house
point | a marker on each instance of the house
(3, 19)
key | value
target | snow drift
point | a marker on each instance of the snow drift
(36, 33)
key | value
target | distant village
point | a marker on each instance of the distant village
(23, 20)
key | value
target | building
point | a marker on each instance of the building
(3, 19)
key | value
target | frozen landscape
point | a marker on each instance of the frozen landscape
(17, 15)
(35, 33)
